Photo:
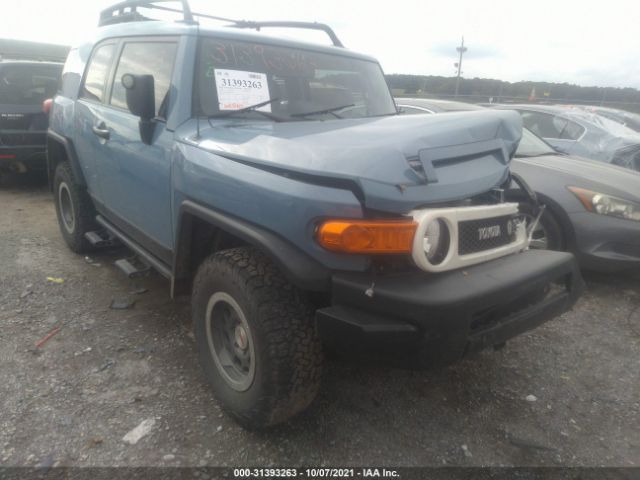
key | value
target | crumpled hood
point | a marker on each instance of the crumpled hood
(397, 162)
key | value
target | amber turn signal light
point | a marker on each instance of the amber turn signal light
(362, 236)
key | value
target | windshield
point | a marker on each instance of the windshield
(294, 84)
(533, 146)
(28, 84)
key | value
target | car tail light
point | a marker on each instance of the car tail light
(369, 237)
(46, 105)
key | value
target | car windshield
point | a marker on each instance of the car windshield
(293, 84)
(28, 84)
(533, 146)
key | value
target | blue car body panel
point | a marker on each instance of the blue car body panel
(249, 168)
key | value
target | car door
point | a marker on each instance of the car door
(89, 115)
(135, 177)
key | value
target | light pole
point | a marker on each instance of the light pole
(461, 49)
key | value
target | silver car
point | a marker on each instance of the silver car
(577, 131)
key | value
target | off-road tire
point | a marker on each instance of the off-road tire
(83, 210)
(287, 350)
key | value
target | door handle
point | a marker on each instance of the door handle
(101, 130)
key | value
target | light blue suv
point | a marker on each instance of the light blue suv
(275, 181)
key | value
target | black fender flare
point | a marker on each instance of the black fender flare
(71, 156)
(300, 269)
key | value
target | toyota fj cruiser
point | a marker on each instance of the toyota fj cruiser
(275, 181)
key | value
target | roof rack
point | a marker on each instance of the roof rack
(127, 11)
(304, 25)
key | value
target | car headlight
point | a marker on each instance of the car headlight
(436, 241)
(607, 204)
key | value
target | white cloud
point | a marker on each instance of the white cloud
(587, 43)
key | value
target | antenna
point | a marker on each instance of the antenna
(197, 82)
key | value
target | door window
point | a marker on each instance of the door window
(145, 58)
(551, 126)
(96, 79)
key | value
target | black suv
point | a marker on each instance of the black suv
(24, 88)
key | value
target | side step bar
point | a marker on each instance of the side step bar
(133, 267)
(146, 257)
(101, 239)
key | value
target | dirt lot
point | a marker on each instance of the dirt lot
(565, 394)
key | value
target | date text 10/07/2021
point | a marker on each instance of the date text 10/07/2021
(315, 473)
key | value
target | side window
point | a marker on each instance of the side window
(572, 131)
(543, 124)
(97, 72)
(145, 58)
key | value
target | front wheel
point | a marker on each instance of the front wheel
(548, 233)
(255, 338)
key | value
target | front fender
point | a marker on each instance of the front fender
(299, 268)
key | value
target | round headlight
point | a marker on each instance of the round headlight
(436, 241)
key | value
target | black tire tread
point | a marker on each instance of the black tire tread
(284, 315)
(83, 208)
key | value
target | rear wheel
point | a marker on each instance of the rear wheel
(75, 211)
(255, 338)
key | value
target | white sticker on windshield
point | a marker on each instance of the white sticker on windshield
(238, 89)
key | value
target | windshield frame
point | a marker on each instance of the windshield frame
(197, 110)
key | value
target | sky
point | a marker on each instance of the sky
(589, 43)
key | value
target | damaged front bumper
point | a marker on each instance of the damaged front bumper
(436, 319)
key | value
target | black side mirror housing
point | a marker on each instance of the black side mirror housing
(141, 101)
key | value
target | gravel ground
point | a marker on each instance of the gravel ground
(565, 394)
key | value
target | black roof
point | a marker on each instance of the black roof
(34, 51)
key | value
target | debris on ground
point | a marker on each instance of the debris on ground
(466, 451)
(527, 444)
(48, 336)
(122, 304)
(92, 262)
(108, 364)
(143, 429)
(169, 457)
(94, 442)
(57, 280)
(531, 398)
(139, 291)
(26, 293)
(86, 350)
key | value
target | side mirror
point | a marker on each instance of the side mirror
(141, 98)
(141, 101)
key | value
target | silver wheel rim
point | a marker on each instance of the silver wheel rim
(67, 213)
(230, 341)
(540, 237)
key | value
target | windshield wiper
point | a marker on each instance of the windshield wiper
(327, 110)
(252, 108)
